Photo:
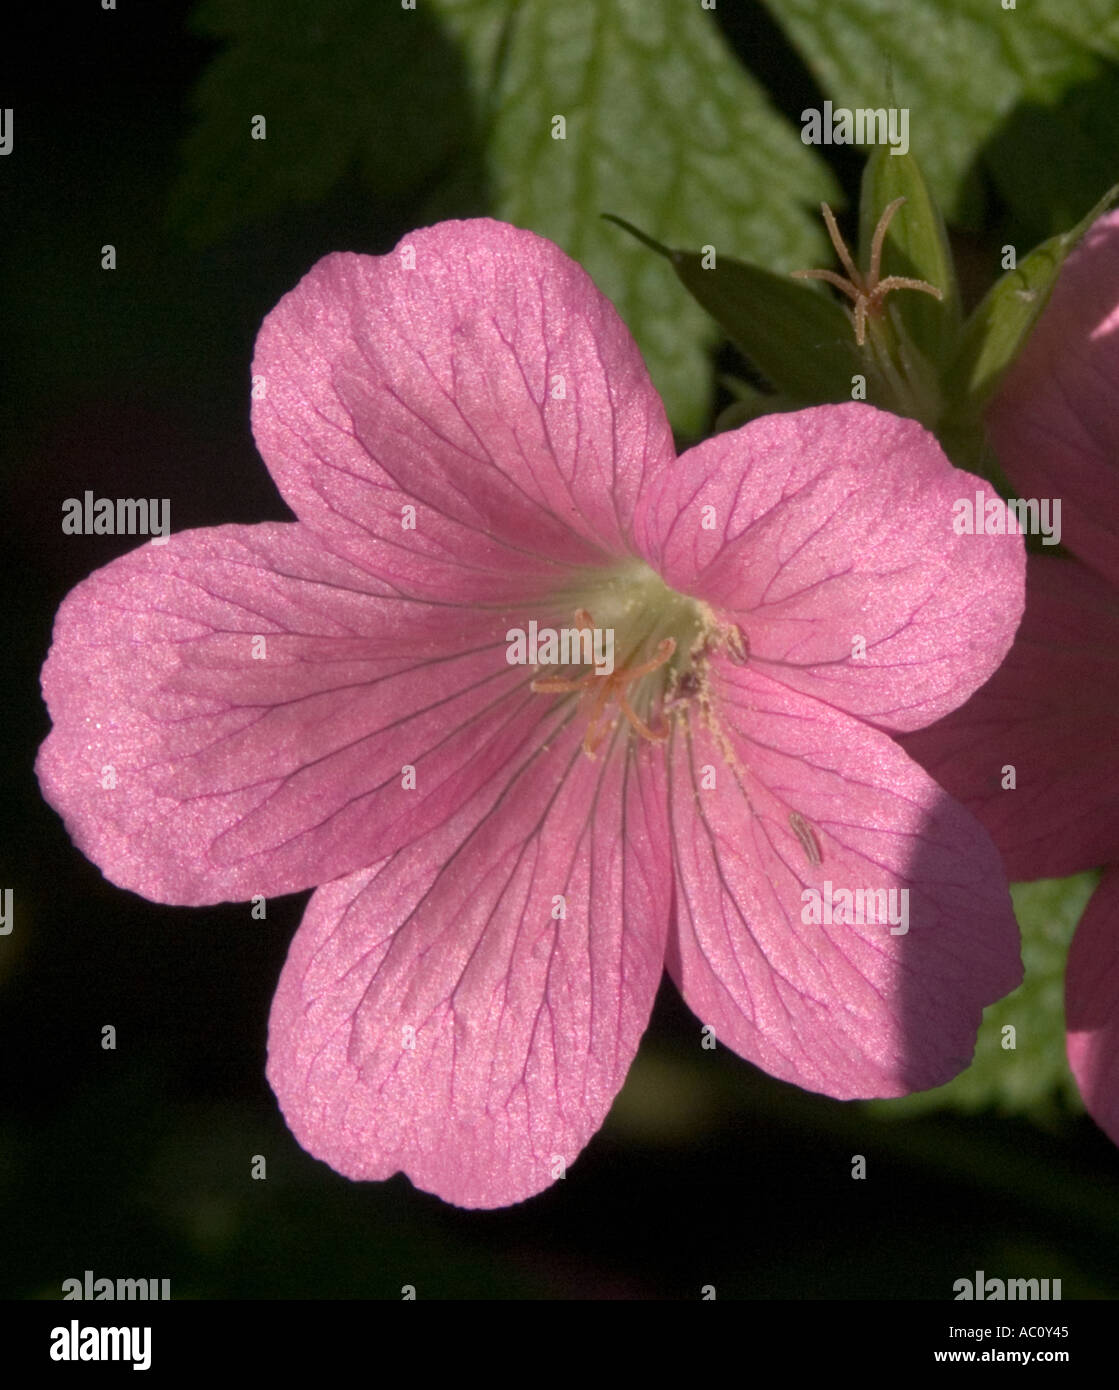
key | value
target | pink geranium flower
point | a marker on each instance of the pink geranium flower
(1050, 711)
(506, 857)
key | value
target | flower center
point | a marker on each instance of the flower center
(635, 652)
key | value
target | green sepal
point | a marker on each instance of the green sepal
(799, 338)
(749, 403)
(916, 246)
(997, 331)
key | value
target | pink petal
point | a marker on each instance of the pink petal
(1055, 419)
(836, 523)
(844, 1009)
(492, 386)
(524, 1024)
(1046, 713)
(1092, 1005)
(236, 776)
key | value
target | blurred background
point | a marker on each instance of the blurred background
(132, 129)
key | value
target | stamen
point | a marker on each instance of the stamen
(606, 687)
(807, 837)
(562, 685)
(632, 673)
(653, 735)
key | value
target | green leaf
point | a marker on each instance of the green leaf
(916, 246)
(341, 84)
(1032, 1077)
(1063, 142)
(968, 71)
(1000, 325)
(451, 108)
(662, 127)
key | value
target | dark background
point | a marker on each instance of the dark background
(136, 1162)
